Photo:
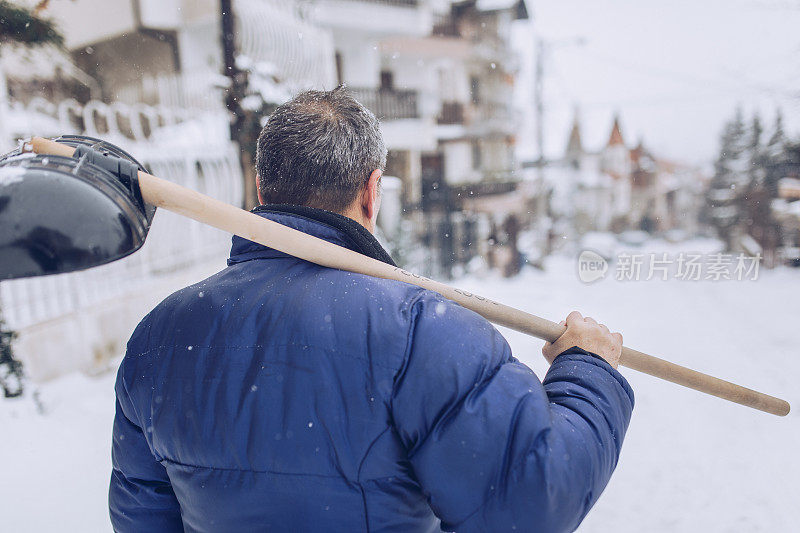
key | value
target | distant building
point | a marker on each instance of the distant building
(619, 188)
(786, 210)
(439, 75)
(168, 52)
(147, 76)
(132, 75)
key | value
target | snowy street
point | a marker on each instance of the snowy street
(637, 162)
(690, 462)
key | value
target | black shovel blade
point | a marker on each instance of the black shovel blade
(61, 214)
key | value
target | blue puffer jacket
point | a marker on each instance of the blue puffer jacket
(279, 395)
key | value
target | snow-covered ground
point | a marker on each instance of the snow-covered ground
(690, 462)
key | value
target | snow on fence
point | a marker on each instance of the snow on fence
(124, 124)
(194, 90)
(81, 320)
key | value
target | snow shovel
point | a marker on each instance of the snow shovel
(85, 215)
(48, 200)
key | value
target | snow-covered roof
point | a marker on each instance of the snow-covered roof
(616, 133)
(40, 62)
(789, 188)
(669, 181)
(23, 122)
(782, 207)
(595, 129)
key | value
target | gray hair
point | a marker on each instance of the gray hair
(318, 149)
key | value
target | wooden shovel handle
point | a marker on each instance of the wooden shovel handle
(189, 203)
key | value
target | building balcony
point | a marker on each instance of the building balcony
(494, 111)
(388, 104)
(396, 3)
(491, 117)
(502, 183)
(385, 17)
(445, 26)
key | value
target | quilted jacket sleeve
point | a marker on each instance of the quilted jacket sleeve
(140, 496)
(494, 448)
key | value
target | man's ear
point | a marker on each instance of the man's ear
(369, 197)
(258, 193)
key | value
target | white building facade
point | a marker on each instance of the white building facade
(146, 75)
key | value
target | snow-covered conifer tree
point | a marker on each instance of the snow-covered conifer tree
(731, 176)
(10, 368)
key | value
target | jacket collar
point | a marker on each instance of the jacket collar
(326, 225)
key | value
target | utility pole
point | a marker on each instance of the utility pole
(541, 188)
(538, 95)
(543, 48)
(228, 36)
(244, 124)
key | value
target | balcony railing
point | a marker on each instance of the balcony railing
(395, 3)
(494, 111)
(492, 185)
(399, 3)
(451, 113)
(445, 26)
(388, 104)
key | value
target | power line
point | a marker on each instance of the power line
(692, 79)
